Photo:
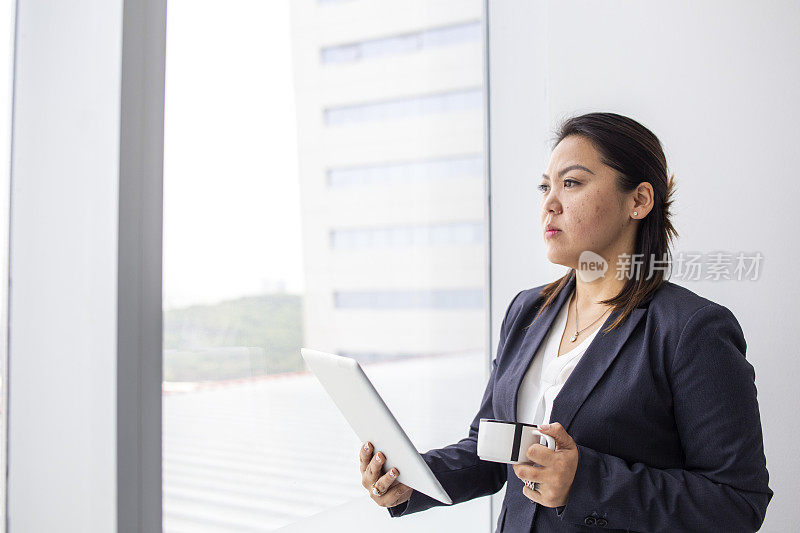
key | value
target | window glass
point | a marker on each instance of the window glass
(336, 205)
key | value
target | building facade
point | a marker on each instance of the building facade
(390, 108)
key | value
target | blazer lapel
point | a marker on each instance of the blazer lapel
(594, 362)
(598, 356)
(533, 339)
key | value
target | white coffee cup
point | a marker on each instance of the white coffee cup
(504, 441)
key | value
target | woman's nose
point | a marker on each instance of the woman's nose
(551, 204)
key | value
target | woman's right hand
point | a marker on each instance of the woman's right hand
(393, 492)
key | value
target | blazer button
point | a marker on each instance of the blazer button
(602, 522)
(589, 521)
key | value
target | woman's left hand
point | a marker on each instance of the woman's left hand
(556, 468)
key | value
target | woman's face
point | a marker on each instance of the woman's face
(581, 199)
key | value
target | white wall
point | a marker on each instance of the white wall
(717, 82)
(7, 16)
(84, 431)
(62, 330)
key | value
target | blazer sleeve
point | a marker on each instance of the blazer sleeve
(724, 482)
(458, 468)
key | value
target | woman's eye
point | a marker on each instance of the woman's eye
(543, 187)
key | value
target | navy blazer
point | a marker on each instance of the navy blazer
(662, 408)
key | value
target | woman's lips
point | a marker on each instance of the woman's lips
(552, 233)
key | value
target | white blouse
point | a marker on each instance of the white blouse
(548, 372)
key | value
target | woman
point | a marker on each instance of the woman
(657, 427)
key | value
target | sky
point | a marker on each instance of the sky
(231, 195)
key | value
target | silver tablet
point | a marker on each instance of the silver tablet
(365, 411)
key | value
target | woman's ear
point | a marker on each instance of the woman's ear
(642, 199)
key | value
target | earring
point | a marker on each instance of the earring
(635, 213)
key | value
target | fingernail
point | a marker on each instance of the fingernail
(379, 457)
(366, 446)
(392, 473)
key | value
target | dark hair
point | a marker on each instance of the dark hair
(636, 153)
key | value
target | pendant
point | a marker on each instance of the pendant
(573, 337)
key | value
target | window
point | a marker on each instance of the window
(427, 104)
(448, 167)
(433, 235)
(402, 44)
(430, 299)
(285, 229)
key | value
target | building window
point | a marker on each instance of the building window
(421, 235)
(402, 44)
(470, 166)
(446, 102)
(412, 299)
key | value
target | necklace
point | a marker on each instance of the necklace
(575, 337)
